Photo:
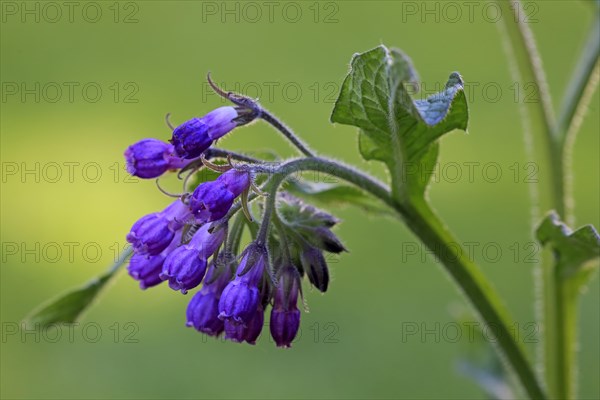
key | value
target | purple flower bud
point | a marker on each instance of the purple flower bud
(241, 297)
(210, 201)
(203, 313)
(284, 326)
(183, 268)
(203, 310)
(325, 239)
(238, 332)
(186, 265)
(315, 266)
(146, 269)
(193, 137)
(150, 158)
(235, 181)
(239, 301)
(285, 316)
(152, 233)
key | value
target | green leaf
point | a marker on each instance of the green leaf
(573, 251)
(337, 194)
(394, 128)
(68, 307)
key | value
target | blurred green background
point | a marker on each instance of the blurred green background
(149, 58)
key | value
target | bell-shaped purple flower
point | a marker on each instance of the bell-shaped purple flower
(146, 268)
(150, 158)
(241, 297)
(203, 309)
(236, 181)
(285, 316)
(238, 332)
(152, 233)
(185, 267)
(210, 201)
(193, 137)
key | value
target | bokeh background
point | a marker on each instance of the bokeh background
(149, 58)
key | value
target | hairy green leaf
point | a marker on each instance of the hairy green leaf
(394, 128)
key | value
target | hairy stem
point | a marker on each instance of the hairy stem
(287, 132)
(550, 145)
(573, 103)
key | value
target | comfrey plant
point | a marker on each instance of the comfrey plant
(195, 243)
(191, 238)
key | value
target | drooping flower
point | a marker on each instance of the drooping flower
(241, 297)
(185, 266)
(203, 309)
(152, 233)
(150, 158)
(249, 332)
(211, 200)
(285, 316)
(146, 268)
(314, 264)
(193, 137)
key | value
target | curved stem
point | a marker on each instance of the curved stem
(573, 103)
(287, 132)
(429, 229)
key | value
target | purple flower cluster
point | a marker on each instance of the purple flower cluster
(181, 244)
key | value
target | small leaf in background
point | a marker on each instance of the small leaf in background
(573, 251)
(394, 128)
(337, 194)
(68, 307)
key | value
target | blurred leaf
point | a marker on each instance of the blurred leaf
(494, 385)
(394, 128)
(337, 194)
(68, 307)
(479, 361)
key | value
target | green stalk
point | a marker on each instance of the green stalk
(550, 144)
